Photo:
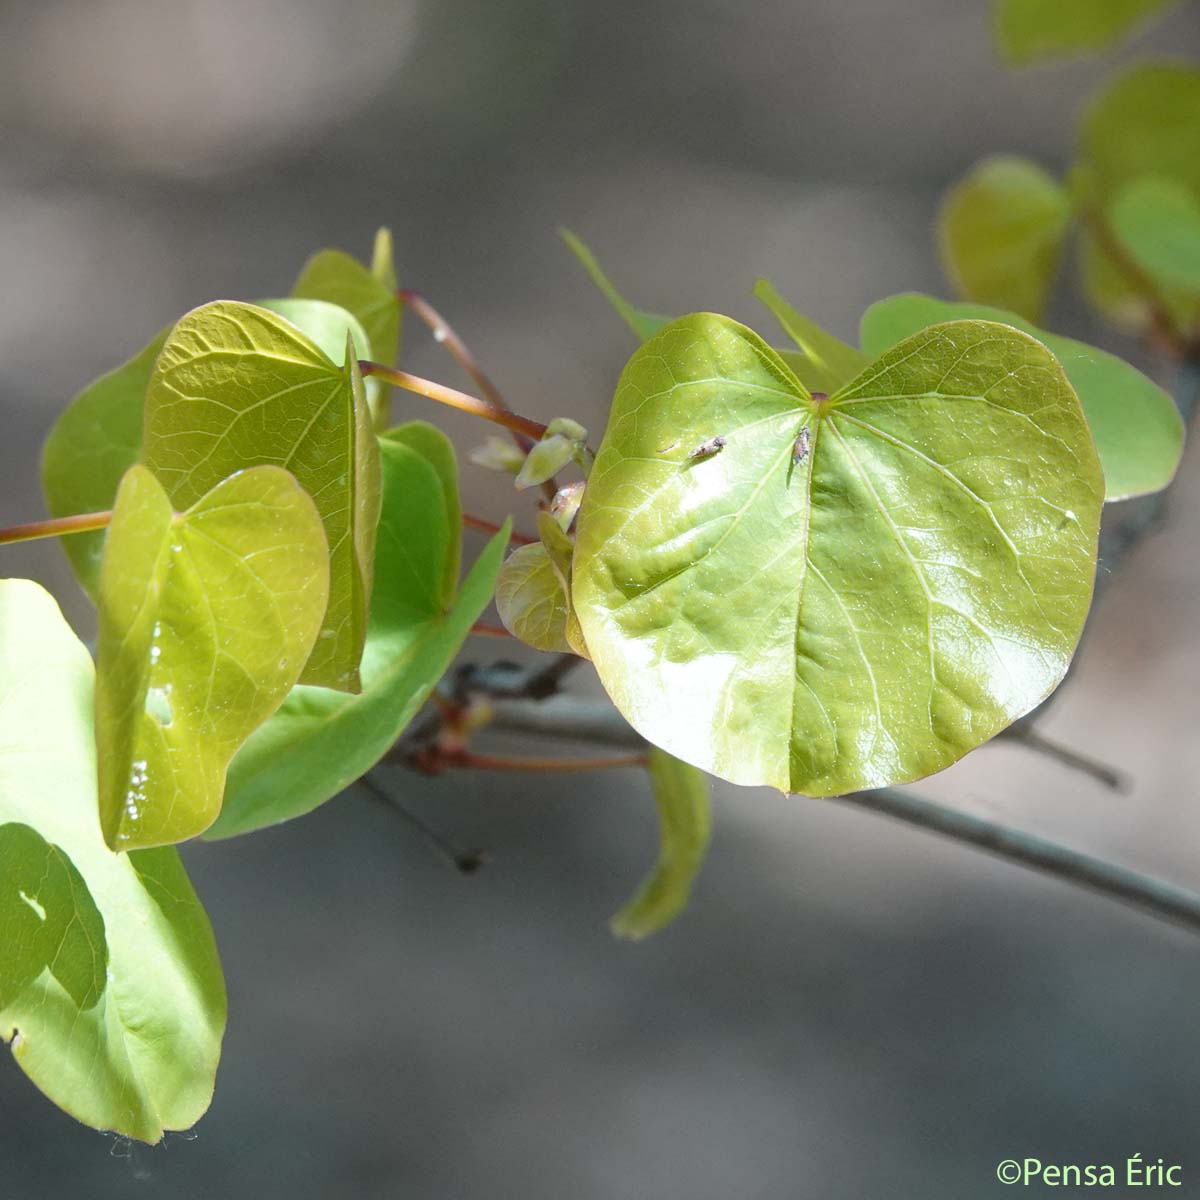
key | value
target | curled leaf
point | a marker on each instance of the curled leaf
(685, 826)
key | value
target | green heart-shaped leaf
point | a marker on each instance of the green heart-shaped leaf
(98, 437)
(1029, 30)
(1157, 222)
(369, 294)
(850, 592)
(319, 741)
(237, 386)
(206, 621)
(530, 599)
(685, 826)
(1001, 230)
(110, 987)
(1135, 424)
(93, 443)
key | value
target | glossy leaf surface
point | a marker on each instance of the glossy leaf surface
(1135, 424)
(849, 593)
(110, 988)
(685, 826)
(531, 601)
(320, 741)
(1001, 231)
(237, 386)
(1030, 30)
(206, 621)
(93, 443)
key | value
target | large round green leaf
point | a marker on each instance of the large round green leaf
(206, 621)
(838, 594)
(320, 741)
(237, 386)
(110, 988)
(1135, 424)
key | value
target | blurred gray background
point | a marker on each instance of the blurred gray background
(849, 1008)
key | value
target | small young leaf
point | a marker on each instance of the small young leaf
(1001, 230)
(319, 741)
(498, 454)
(1030, 30)
(643, 324)
(110, 988)
(685, 825)
(206, 621)
(328, 326)
(865, 616)
(1157, 222)
(530, 600)
(827, 361)
(1135, 424)
(237, 386)
(561, 550)
(93, 443)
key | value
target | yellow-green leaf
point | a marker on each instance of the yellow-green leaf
(1030, 30)
(237, 386)
(206, 620)
(111, 994)
(96, 439)
(368, 293)
(844, 593)
(1157, 221)
(1135, 424)
(320, 741)
(685, 825)
(643, 324)
(827, 362)
(530, 599)
(1001, 232)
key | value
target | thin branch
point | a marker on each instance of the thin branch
(488, 629)
(1029, 737)
(466, 861)
(520, 539)
(1155, 896)
(454, 398)
(444, 334)
(55, 527)
(469, 760)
